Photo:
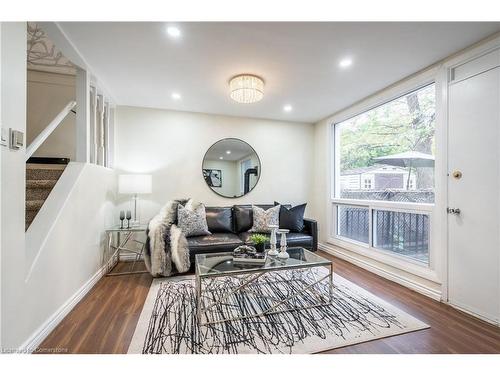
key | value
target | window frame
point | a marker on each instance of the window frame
(427, 271)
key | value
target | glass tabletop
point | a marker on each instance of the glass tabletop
(222, 263)
(135, 228)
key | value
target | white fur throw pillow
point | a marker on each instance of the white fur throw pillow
(192, 219)
(262, 219)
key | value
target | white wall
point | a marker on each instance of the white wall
(68, 256)
(48, 94)
(1, 127)
(170, 145)
(320, 196)
(39, 283)
(13, 111)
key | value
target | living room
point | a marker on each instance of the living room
(193, 186)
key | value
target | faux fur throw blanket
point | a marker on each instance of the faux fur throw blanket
(166, 250)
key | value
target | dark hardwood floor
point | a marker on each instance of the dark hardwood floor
(104, 321)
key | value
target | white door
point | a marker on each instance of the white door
(474, 233)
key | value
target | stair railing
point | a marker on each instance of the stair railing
(40, 138)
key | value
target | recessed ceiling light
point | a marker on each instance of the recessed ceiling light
(344, 63)
(221, 158)
(176, 96)
(287, 108)
(228, 152)
(173, 31)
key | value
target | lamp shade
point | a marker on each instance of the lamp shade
(134, 184)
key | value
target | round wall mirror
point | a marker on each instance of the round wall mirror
(231, 168)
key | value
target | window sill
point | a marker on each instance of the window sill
(402, 263)
(385, 205)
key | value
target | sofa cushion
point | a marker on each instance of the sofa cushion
(216, 241)
(292, 218)
(293, 236)
(220, 219)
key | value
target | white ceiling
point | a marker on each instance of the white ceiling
(142, 66)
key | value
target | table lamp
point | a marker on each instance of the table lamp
(134, 184)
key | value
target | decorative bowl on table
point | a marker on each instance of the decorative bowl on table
(249, 255)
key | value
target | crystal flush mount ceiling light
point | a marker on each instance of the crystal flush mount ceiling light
(246, 88)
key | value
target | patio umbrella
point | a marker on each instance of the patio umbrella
(408, 159)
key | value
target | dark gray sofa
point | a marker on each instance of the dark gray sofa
(230, 228)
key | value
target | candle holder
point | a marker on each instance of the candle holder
(129, 216)
(283, 245)
(272, 241)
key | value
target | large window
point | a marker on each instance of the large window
(391, 145)
(384, 176)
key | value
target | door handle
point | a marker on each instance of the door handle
(454, 211)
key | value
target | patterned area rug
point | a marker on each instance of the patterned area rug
(169, 323)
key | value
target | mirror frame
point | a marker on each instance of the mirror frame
(234, 139)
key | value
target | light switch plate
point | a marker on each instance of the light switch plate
(16, 139)
(4, 137)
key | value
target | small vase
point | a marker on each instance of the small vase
(260, 247)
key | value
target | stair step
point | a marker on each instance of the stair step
(33, 194)
(45, 166)
(40, 184)
(40, 180)
(43, 173)
(34, 205)
(47, 160)
(30, 216)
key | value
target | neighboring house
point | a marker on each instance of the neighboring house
(376, 177)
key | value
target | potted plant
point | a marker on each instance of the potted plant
(259, 241)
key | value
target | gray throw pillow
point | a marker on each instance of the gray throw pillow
(262, 219)
(192, 220)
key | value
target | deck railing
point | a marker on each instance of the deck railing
(400, 232)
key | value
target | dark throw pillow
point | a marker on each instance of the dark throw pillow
(243, 216)
(292, 218)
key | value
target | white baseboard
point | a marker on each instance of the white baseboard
(469, 311)
(411, 284)
(48, 326)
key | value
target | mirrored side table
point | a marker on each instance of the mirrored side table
(125, 237)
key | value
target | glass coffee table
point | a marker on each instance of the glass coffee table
(217, 265)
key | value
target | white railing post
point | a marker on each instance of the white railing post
(100, 130)
(82, 116)
(106, 134)
(111, 136)
(40, 138)
(93, 117)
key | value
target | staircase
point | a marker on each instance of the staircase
(40, 180)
